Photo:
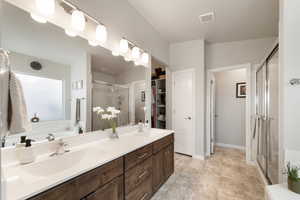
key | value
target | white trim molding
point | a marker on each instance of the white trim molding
(231, 146)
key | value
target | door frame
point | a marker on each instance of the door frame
(209, 73)
(193, 104)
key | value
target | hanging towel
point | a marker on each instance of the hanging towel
(17, 118)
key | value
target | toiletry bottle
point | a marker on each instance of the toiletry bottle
(27, 155)
(147, 125)
(140, 126)
(22, 142)
(80, 130)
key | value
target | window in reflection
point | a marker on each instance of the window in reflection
(43, 96)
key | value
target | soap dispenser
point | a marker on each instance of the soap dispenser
(27, 156)
(140, 126)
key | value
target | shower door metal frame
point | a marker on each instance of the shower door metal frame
(265, 120)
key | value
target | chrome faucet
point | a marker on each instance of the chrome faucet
(62, 148)
(50, 137)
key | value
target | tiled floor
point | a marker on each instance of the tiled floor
(225, 176)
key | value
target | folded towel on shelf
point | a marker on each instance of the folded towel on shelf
(17, 118)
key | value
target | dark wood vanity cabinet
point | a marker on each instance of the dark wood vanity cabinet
(163, 161)
(135, 176)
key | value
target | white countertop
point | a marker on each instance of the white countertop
(25, 181)
(280, 192)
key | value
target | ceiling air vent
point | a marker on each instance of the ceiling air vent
(207, 17)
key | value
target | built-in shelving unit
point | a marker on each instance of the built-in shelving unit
(159, 103)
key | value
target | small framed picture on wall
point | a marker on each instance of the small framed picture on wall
(241, 90)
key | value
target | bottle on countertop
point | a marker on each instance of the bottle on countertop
(80, 130)
(140, 126)
(26, 154)
(22, 142)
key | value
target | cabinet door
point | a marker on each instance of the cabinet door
(158, 170)
(168, 161)
(111, 191)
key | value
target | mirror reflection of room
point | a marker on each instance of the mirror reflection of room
(63, 78)
(118, 84)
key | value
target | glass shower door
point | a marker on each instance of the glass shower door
(273, 128)
(261, 98)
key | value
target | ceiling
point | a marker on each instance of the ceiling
(177, 20)
(103, 61)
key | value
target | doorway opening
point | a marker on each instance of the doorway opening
(229, 109)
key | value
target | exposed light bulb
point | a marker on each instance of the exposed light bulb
(127, 59)
(78, 21)
(70, 33)
(115, 53)
(145, 58)
(93, 43)
(123, 46)
(135, 54)
(38, 18)
(101, 33)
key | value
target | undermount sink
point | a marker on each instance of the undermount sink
(59, 163)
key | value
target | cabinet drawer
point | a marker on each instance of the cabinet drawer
(137, 156)
(111, 191)
(91, 181)
(162, 143)
(142, 192)
(138, 174)
(64, 191)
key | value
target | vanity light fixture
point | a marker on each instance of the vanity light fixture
(101, 33)
(38, 18)
(135, 53)
(93, 43)
(78, 21)
(145, 58)
(115, 53)
(124, 46)
(70, 33)
(128, 57)
(44, 10)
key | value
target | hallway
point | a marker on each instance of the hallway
(225, 176)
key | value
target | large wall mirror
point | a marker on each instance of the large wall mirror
(63, 78)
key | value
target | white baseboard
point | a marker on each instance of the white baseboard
(198, 157)
(231, 146)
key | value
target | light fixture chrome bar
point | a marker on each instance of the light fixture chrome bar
(74, 7)
(132, 44)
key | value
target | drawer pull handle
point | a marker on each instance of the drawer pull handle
(143, 174)
(143, 156)
(144, 196)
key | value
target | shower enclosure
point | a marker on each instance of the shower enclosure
(267, 129)
(107, 95)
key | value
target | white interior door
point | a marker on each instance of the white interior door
(183, 109)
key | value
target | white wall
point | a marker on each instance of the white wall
(236, 53)
(289, 69)
(189, 55)
(230, 123)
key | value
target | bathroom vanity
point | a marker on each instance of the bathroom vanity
(140, 164)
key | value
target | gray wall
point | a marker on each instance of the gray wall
(235, 53)
(230, 123)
